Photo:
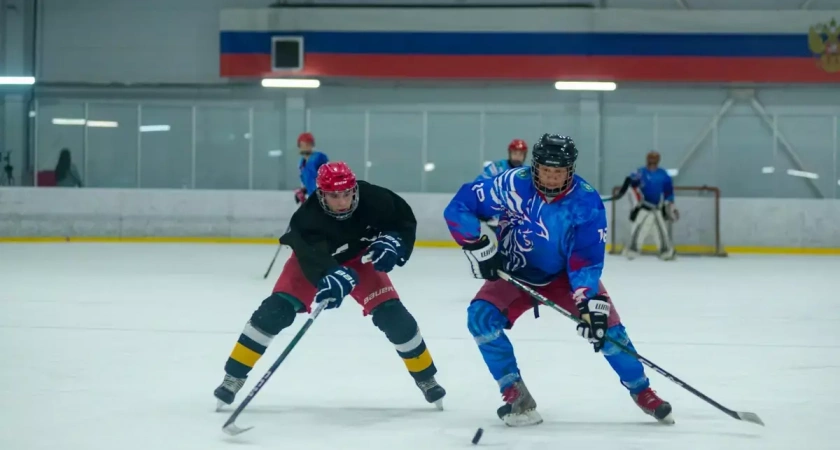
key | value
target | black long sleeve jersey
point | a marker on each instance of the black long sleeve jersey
(322, 242)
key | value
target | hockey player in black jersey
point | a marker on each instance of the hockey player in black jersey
(344, 240)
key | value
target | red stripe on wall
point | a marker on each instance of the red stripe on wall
(619, 68)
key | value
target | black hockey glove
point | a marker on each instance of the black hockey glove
(484, 257)
(335, 285)
(386, 252)
(594, 312)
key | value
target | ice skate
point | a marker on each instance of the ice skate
(226, 391)
(520, 409)
(668, 255)
(654, 406)
(630, 254)
(433, 392)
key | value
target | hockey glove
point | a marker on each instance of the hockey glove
(386, 252)
(335, 285)
(300, 195)
(594, 312)
(671, 213)
(484, 258)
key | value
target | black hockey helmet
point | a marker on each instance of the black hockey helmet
(555, 151)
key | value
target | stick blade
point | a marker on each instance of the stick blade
(233, 430)
(751, 417)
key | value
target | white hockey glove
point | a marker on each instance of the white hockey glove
(485, 259)
(671, 213)
(594, 312)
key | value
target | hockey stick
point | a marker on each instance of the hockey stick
(746, 416)
(230, 427)
(279, 247)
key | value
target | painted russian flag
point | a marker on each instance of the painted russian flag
(537, 44)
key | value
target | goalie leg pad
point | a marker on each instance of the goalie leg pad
(487, 324)
(629, 370)
(401, 329)
(666, 247)
(273, 315)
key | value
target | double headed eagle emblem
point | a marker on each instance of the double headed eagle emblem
(824, 42)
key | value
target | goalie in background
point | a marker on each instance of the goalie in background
(652, 210)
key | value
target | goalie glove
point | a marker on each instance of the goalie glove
(594, 312)
(671, 213)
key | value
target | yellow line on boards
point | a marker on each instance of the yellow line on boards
(426, 244)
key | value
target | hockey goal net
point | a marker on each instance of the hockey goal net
(697, 232)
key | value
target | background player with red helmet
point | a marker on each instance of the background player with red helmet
(517, 152)
(310, 162)
(330, 234)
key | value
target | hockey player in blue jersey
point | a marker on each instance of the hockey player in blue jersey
(310, 162)
(552, 236)
(517, 153)
(653, 208)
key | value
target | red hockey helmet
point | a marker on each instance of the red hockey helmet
(338, 191)
(518, 145)
(306, 137)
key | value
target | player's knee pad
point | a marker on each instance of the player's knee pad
(485, 321)
(619, 334)
(275, 313)
(393, 319)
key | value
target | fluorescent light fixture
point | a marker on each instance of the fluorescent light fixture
(63, 121)
(803, 174)
(275, 153)
(32, 114)
(428, 167)
(672, 172)
(768, 169)
(585, 86)
(102, 124)
(293, 83)
(154, 128)
(25, 81)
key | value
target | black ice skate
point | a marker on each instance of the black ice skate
(520, 409)
(654, 406)
(226, 391)
(433, 392)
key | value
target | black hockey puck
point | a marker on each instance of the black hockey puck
(477, 436)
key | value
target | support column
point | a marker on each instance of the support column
(590, 125)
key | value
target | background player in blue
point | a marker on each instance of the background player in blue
(552, 235)
(654, 207)
(310, 162)
(517, 153)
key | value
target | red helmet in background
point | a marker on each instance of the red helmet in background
(518, 145)
(306, 137)
(336, 180)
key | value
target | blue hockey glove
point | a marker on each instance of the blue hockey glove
(335, 285)
(594, 312)
(386, 252)
(484, 257)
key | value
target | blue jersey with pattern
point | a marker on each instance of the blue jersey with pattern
(309, 170)
(539, 241)
(655, 185)
(494, 168)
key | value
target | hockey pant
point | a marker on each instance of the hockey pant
(649, 221)
(487, 324)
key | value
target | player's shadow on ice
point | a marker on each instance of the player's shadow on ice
(341, 415)
(631, 426)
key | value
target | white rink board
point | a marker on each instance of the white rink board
(119, 346)
(42, 212)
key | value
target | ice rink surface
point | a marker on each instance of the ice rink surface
(119, 347)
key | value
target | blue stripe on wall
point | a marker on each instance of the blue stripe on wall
(579, 44)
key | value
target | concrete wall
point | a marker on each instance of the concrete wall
(188, 214)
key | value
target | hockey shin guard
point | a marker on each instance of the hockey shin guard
(630, 371)
(401, 329)
(486, 324)
(274, 314)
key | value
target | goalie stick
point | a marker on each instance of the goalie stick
(230, 426)
(619, 194)
(745, 416)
